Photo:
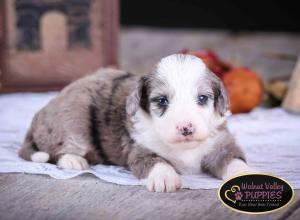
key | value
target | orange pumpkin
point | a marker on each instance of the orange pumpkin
(244, 89)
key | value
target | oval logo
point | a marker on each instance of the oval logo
(256, 193)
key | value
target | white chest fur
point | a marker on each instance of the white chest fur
(186, 161)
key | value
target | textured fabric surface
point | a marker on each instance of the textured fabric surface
(269, 137)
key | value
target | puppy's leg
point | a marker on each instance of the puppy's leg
(225, 161)
(236, 167)
(69, 157)
(72, 161)
(29, 150)
(163, 178)
(72, 153)
(160, 175)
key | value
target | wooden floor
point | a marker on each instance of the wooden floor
(30, 197)
(86, 197)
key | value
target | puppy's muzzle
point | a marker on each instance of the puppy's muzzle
(186, 129)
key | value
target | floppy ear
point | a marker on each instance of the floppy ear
(221, 100)
(139, 98)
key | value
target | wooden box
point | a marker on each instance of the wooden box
(46, 44)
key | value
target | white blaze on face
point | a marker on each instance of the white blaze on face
(183, 78)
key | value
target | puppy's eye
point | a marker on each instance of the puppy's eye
(202, 99)
(163, 102)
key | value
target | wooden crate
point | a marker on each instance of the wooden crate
(46, 44)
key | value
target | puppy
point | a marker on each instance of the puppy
(159, 126)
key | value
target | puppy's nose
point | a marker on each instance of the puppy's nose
(186, 130)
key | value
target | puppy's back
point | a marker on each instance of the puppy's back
(93, 102)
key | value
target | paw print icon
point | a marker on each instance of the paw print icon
(238, 196)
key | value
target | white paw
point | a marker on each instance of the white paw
(40, 157)
(163, 178)
(73, 162)
(236, 167)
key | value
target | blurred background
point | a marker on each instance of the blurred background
(252, 46)
(228, 15)
(263, 37)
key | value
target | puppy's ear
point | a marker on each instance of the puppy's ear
(221, 100)
(139, 97)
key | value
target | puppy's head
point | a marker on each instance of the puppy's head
(183, 100)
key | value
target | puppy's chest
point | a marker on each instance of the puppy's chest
(187, 161)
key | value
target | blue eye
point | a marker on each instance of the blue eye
(163, 102)
(202, 99)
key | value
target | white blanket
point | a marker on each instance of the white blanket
(269, 137)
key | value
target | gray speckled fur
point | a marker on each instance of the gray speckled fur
(64, 125)
(225, 150)
(90, 118)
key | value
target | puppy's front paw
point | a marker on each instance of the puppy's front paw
(236, 167)
(163, 178)
(73, 162)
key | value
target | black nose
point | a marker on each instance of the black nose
(185, 131)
